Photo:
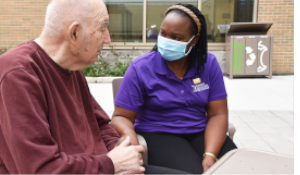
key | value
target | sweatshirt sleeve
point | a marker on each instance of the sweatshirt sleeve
(27, 146)
(109, 134)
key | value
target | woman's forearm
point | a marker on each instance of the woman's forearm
(125, 128)
(215, 133)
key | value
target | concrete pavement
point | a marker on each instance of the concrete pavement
(261, 109)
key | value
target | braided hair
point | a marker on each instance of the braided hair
(198, 55)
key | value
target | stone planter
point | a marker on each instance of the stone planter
(100, 79)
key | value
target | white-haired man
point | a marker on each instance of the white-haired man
(49, 122)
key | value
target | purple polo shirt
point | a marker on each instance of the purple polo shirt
(163, 102)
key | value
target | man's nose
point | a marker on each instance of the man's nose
(106, 38)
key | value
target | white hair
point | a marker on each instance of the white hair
(61, 13)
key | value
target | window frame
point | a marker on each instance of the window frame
(144, 45)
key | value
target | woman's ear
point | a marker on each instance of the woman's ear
(195, 40)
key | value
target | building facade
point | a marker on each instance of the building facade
(134, 25)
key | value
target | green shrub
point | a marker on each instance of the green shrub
(102, 68)
(118, 70)
(3, 50)
(96, 69)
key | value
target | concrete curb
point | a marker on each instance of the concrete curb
(100, 79)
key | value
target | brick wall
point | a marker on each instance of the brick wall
(21, 20)
(281, 13)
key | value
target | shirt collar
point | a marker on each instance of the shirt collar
(46, 57)
(162, 68)
(191, 73)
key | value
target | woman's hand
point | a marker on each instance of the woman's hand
(121, 139)
(207, 162)
(123, 121)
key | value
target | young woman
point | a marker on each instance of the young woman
(175, 97)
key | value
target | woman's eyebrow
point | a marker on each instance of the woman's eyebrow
(177, 34)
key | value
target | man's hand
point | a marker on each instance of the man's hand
(127, 158)
(207, 162)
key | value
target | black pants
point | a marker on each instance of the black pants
(151, 169)
(179, 151)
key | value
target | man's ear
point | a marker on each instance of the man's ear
(73, 32)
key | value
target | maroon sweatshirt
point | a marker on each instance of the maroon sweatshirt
(49, 122)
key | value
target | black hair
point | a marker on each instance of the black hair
(198, 55)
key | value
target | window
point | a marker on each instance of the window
(220, 13)
(138, 21)
(125, 20)
(155, 12)
(243, 10)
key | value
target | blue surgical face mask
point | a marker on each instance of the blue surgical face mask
(172, 50)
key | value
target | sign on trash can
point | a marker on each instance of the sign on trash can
(249, 50)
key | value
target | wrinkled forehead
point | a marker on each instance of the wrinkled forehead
(100, 13)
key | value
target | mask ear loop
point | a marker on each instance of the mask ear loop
(191, 47)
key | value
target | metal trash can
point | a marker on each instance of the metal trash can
(248, 50)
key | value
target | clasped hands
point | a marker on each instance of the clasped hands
(127, 158)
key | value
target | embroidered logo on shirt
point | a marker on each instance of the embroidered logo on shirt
(200, 87)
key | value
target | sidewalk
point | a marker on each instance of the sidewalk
(261, 109)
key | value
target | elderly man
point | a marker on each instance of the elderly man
(49, 122)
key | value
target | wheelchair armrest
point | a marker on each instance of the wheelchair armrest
(231, 130)
(143, 143)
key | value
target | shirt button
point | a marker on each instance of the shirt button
(182, 91)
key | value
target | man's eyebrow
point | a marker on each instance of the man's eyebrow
(105, 22)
